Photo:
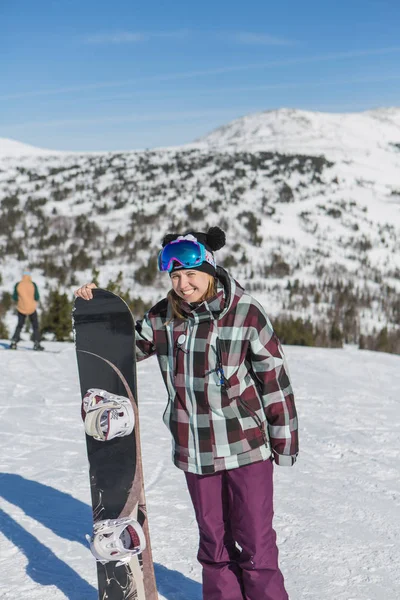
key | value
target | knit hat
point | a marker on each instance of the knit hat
(213, 240)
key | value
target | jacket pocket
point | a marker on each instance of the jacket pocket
(252, 426)
(259, 423)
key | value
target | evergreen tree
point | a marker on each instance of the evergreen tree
(116, 286)
(382, 343)
(5, 305)
(95, 276)
(3, 330)
(146, 274)
(295, 332)
(335, 336)
(57, 318)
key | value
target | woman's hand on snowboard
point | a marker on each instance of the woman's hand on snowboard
(85, 291)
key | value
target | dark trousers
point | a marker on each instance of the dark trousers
(236, 507)
(35, 326)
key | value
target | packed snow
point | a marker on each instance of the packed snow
(337, 511)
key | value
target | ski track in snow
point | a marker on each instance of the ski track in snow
(337, 511)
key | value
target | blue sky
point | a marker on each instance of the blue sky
(119, 75)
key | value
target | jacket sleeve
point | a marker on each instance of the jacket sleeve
(144, 339)
(270, 369)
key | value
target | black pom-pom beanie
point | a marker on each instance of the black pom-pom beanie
(213, 240)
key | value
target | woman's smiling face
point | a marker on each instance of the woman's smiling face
(190, 285)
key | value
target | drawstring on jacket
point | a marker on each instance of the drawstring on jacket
(219, 369)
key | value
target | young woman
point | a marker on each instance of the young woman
(230, 411)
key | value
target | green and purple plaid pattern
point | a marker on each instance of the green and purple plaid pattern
(216, 426)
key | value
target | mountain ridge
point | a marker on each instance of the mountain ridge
(12, 148)
(336, 135)
(312, 236)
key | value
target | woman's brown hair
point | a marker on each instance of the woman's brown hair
(176, 301)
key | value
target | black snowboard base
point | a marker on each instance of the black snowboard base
(105, 345)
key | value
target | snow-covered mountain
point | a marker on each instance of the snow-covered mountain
(310, 203)
(355, 136)
(14, 148)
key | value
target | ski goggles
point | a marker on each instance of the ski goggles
(188, 253)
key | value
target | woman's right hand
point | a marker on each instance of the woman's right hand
(85, 291)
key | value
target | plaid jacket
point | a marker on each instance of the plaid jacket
(230, 401)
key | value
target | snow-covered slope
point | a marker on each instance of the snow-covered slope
(14, 148)
(365, 145)
(293, 131)
(337, 511)
(310, 203)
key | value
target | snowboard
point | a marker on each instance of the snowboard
(104, 334)
(30, 348)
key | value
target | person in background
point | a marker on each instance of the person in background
(26, 294)
(231, 412)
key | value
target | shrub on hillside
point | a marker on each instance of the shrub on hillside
(81, 261)
(86, 229)
(4, 335)
(295, 332)
(114, 286)
(33, 204)
(194, 213)
(335, 336)
(146, 274)
(251, 223)
(9, 219)
(52, 269)
(286, 194)
(229, 262)
(278, 267)
(298, 332)
(137, 306)
(384, 341)
(6, 302)
(10, 202)
(58, 195)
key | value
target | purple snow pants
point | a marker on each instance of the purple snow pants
(236, 506)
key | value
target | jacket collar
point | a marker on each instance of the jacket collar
(228, 293)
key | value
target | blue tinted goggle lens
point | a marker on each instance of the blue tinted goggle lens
(185, 252)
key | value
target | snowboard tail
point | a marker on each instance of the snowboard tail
(105, 345)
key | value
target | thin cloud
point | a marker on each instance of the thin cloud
(256, 39)
(122, 37)
(177, 92)
(202, 73)
(133, 37)
(135, 118)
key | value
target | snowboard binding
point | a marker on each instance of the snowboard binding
(116, 540)
(107, 416)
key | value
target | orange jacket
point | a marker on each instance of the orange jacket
(26, 294)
